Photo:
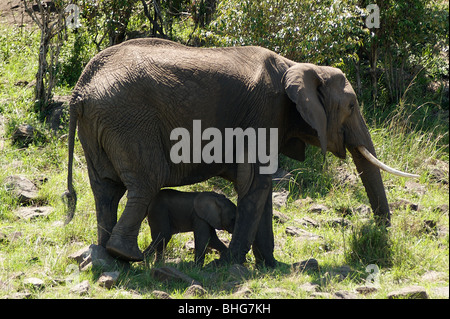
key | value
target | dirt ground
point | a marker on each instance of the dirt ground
(13, 12)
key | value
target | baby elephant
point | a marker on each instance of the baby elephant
(175, 212)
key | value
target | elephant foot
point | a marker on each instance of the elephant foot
(267, 263)
(124, 249)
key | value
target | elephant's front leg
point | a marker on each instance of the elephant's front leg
(250, 211)
(264, 244)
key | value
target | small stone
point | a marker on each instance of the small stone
(20, 295)
(363, 210)
(307, 221)
(97, 256)
(303, 234)
(279, 199)
(444, 208)
(34, 283)
(238, 272)
(108, 279)
(322, 295)
(30, 213)
(306, 265)
(243, 292)
(343, 294)
(171, 274)
(81, 289)
(303, 201)
(365, 290)
(21, 187)
(281, 175)
(158, 294)
(280, 217)
(318, 208)
(309, 287)
(195, 291)
(412, 292)
(25, 134)
(434, 276)
(441, 292)
(403, 204)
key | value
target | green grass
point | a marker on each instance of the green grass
(403, 253)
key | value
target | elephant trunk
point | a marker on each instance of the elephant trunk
(357, 137)
(371, 178)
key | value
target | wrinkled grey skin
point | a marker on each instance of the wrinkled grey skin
(173, 212)
(131, 96)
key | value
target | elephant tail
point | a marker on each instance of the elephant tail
(70, 195)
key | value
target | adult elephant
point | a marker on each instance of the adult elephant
(130, 98)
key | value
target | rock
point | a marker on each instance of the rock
(97, 256)
(309, 287)
(10, 238)
(403, 204)
(280, 217)
(322, 295)
(442, 292)
(415, 188)
(444, 208)
(318, 208)
(108, 279)
(243, 292)
(307, 221)
(339, 222)
(339, 274)
(365, 290)
(171, 274)
(439, 175)
(303, 201)
(195, 291)
(281, 175)
(279, 199)
(306, 265)
(20, 295)
(22, 187)
(238, 272)
(30, 213)
(412, 292)
(158, 294)
(302, 234)
(432, 276)
(25, 134)
(34, 283)
(343, 294)
(363, 210)
(81, 289)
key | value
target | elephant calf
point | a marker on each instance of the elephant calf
(174, 212)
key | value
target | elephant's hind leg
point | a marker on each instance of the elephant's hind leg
(108, 190)
(123, 241)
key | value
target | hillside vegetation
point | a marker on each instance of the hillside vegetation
(324, 212)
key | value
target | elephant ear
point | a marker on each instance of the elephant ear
(301, 83)
(207, 207)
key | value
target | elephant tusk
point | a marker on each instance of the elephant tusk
(381, 165)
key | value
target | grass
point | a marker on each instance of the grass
(403, 253)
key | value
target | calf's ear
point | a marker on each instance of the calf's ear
(206, 207)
